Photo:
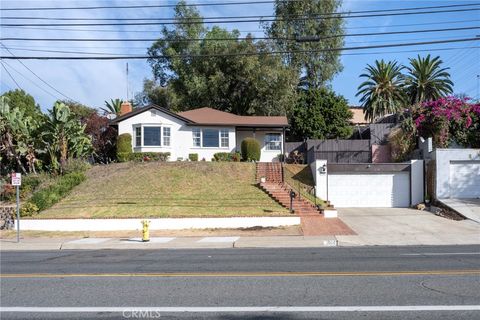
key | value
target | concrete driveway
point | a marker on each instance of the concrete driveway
(469, 208)
(404, 226)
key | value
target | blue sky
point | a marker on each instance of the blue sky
(92, 82)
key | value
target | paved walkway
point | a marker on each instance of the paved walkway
(469, 208)
(403, 226)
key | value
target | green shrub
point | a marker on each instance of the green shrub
(250, 149)
(193, 156)
(28, 209)
(47, 197)
(29, 184)
(223, 156)
(236, 157)
(76, 165)
(149, 156)
(124, 147)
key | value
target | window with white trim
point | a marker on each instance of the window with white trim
(166, 136)
(197, 138)
(224, 138)
(138, 136)
(151, 136)
(210, 138)
(273, 141)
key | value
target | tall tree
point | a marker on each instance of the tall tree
(300, 19)
(383, 91)
(320, 114)
(238, 76)
(25, 102)
(427, 79)
(79, 110)
(154, 93)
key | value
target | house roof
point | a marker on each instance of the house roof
(143, 109)
(358, 116)
(209, 116)
(213, 117)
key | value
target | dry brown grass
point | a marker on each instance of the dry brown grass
(156, 189)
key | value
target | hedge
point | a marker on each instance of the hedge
(250, 149)
(227, 156)
(124, 147)
(47, 197)
(193, 156)
(149, 156)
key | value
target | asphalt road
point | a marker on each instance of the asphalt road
(329, 283)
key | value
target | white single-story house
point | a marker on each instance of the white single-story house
(204, 131)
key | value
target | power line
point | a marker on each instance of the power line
(344, 54)
(301, 39)
(243, 31)
(238, 54)
(244, 19)
(309, 15)
(201, 5)
(11, 77)
(25, 77)
(36, 75)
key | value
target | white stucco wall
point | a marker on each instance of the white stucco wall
(319, 172)
(416, 181)
(443, 159)
(265, 155)
(181, 139)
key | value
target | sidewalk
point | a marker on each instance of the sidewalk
(400, 239)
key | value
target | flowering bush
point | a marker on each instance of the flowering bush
(449, 120)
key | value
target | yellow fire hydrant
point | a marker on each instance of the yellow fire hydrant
(145, 231)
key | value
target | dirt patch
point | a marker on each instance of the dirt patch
(245, 232)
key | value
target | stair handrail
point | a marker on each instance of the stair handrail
(301, 189)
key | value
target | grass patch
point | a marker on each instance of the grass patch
(177, 189)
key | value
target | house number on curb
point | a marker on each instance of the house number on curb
(17, 181)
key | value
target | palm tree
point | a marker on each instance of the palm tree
(383, 91)
(113, 106)
(427, 80)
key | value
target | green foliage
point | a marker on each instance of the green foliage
(307, 58)
(427, 80)
(250, 149)
(28, 209)
(24, 102)
(30, 183)
(113, 107)
(193, 156)
(79, 111)
(156, 94)
(18, 138)
(236, 157)
(149, 156)
(76, 165)
(222, 156)
(383, 91)
(320, 114)
(64, 137)
(250, 84)
(124, 147)
(47, 197)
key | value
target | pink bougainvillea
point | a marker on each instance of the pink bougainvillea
(448, 120)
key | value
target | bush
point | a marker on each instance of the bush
(124, 147)
(193, 156)
(250, 149)
(149, 156)
(236, 157)
(222, 156)
(29, 184)
(47, 197)
(28, 209)
(76, 165)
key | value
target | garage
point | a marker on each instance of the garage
(369, 189)
(464, 179)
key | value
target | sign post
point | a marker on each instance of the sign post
(17, 182)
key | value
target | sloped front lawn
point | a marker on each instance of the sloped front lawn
(180, 189)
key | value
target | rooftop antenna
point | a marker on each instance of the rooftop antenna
(127, 81)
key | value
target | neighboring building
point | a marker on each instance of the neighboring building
(203, 131)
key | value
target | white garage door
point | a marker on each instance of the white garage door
(464, 179)
(369, 190)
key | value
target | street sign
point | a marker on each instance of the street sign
(16, 179)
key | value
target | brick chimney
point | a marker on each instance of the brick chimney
(125, 108)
